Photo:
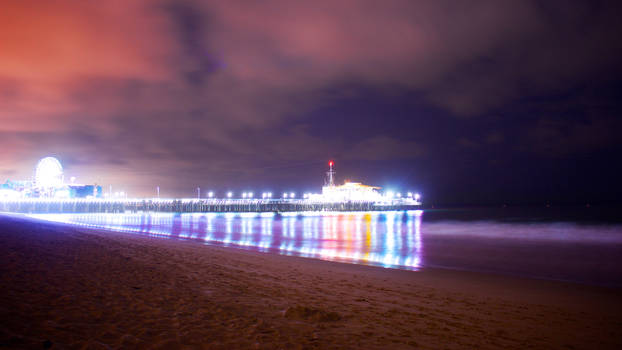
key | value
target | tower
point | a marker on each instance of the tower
(330, 175)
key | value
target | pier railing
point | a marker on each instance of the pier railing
(104, 205)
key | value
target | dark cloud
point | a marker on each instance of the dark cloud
(186, 93)
(560, 138)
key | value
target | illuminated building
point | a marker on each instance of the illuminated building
(15, 189)
(349, 191)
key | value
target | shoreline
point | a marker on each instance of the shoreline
(612, 279)
(124, 290)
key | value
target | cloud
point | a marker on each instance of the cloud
(385, 147)
(203, 86)
(559, 138)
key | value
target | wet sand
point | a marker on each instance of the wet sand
(69, 287)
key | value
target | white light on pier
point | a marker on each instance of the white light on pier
(250, 194)
(410, 194)
(244, 195)
(284, 195)
(292, 195)
(417, 196)
(229, 194)
(210, 194)
(399, 195)
(389, 194)
(269, 194)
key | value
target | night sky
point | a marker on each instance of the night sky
(466, 102)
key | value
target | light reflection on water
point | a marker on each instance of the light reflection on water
(549, 249)
(390, 239)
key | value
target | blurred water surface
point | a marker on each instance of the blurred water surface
(558, 245)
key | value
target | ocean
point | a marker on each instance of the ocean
(577, 244)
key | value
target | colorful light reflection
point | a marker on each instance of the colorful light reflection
(389, 239)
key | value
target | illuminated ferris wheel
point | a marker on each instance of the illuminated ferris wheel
(49, 173)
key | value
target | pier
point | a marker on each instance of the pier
(103, 205)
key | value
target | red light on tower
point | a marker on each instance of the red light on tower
(330, 174)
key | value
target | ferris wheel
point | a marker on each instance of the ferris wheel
(49, 173)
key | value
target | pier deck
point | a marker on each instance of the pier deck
(42, 205)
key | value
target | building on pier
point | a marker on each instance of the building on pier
(48, 182)
(349, 191)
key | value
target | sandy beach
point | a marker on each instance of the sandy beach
(67, 287)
